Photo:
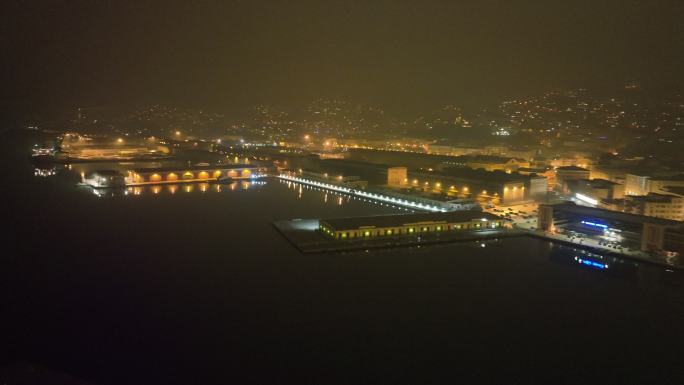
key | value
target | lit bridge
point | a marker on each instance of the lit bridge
(364, 194)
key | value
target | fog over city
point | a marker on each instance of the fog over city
(342, 192)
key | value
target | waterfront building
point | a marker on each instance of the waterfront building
(495, 186)
(408, 224)
(75, 146)
(105, 178)
(643, 184)
(632, 231)
(191, 174)
(656, 205)
(567, 173)
(397, 176)
(596, 189)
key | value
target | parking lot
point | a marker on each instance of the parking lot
(522, 216)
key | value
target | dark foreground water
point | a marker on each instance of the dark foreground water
(197, 287)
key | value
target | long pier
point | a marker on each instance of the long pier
(364, 194)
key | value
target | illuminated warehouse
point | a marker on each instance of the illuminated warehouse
(409, 224)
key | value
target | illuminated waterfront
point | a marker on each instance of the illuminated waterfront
(167, 259)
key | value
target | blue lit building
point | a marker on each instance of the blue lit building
(637, 232)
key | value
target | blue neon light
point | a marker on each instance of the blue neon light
(594, 224)
(591, 263)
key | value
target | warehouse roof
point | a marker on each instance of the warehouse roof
(571, 207)
(195, 168)
(405, 219)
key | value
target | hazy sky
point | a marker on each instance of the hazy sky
(407, 54)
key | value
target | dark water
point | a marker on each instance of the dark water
(197, 287)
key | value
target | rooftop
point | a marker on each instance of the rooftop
(532, 170)
(596, 183)
(481, 175)
(487, 158)
(194, 168)
(405, 219)
(676, 190)
(653, 197)
(572, 168)
(673, 178)
(613, 215)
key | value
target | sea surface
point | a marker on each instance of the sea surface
(193, 285)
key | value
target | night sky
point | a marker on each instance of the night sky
(403, 54)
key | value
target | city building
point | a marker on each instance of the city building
(443, 149)
(643, 184)
(596, 190)
(548, 174)
(637, 232)
(496, 187)
(408, 224)
(656, 205)
(349, 181)
(491, 162)
(537, 187)
(567, 173)
(397, 176)
(505, 151)
(674, 190)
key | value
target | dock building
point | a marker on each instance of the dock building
(191, 174)
(637, 232)
(408, 224)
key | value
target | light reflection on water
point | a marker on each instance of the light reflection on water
(173, 189)
(45, 172)
(556, 254)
